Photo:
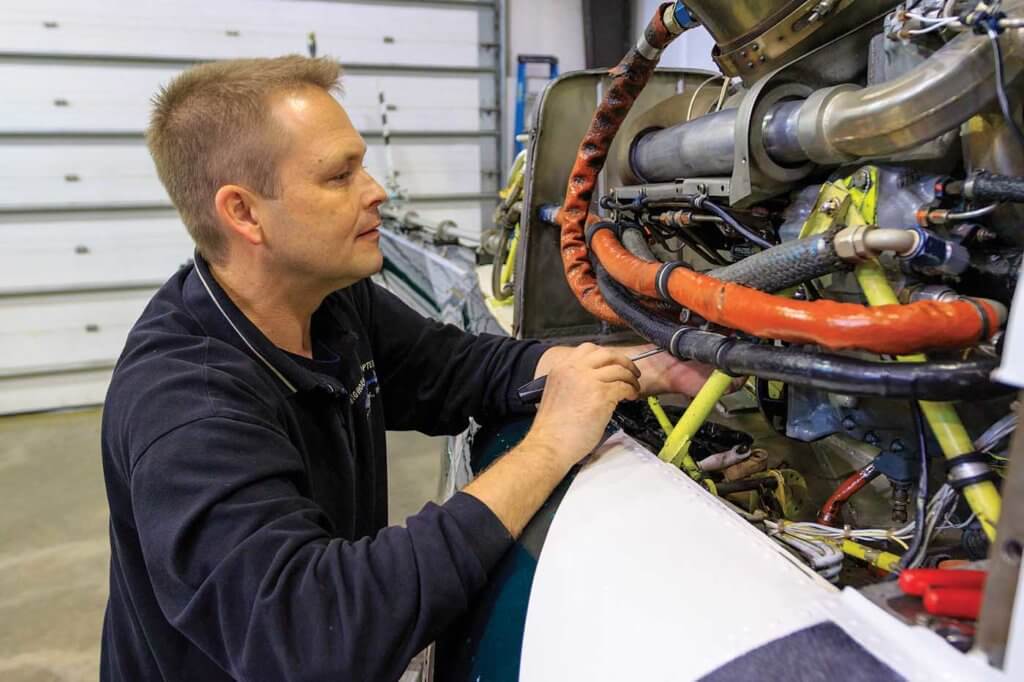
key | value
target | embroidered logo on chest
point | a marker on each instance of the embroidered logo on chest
(367, 388)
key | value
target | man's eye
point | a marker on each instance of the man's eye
(343, 176)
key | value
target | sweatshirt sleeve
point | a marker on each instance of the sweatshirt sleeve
(248, 569)
(434, 376)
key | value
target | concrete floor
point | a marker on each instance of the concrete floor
(54, 550)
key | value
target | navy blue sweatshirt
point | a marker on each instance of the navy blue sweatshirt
(248, 488)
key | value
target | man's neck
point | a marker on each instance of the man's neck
(280, 307)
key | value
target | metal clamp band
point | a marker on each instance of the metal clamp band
(968, 469)
(646, 50)
(591, 230)
(758, 56)
(986, 326)
(961, 483)
(724, 346)
(661, 279)
(673, 344)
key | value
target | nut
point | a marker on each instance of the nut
(829, 207)
(850, 245)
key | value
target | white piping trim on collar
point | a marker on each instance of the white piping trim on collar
(266, 362)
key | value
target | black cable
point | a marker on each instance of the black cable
(750, 235)
(812, 291)
(1004, 100)
(686, 238)
(922, 491)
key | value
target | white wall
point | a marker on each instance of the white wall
(86, 229)
(552, 27)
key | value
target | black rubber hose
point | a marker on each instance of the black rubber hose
(986, 187)
(636, 243)
(737, 226)
(833, 373)
(921, 504)
(785, 265)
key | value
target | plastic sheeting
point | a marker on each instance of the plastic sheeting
(440, 282)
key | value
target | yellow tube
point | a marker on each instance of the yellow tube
(659, 413)
(887, 561)
(983, 498)
(677, 446)
(510, 259)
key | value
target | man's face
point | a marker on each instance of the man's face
(323, 223)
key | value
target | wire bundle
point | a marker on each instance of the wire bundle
(937, 514)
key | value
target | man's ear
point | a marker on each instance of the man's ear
(237, 210)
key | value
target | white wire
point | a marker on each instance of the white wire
(935, 27)
(689, 109)
(721, 95)
(931, 20)
(996, 433)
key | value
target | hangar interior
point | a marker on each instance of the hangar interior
(820, 199)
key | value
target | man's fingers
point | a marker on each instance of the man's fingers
(602, 357)
(613, 374)
(622, 390)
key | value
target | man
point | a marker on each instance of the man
(243, 435)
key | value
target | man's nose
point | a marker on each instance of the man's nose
(376, 194)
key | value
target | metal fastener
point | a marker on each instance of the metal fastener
(829, 207)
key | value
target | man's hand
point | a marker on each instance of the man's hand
(663, 373)
(581, 392)
(659, 373)
(583, 387)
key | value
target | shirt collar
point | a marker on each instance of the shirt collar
(222, 318)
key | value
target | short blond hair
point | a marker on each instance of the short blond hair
(210, 127)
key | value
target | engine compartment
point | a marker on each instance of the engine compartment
(836, 218)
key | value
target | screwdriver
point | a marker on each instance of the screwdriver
(531, 392)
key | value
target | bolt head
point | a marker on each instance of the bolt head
(829, 207)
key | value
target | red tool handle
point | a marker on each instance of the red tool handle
(917, 580)
(954, 602)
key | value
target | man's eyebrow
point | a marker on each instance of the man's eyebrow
(336, 161)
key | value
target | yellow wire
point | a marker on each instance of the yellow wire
(659, 413)
(676, 449)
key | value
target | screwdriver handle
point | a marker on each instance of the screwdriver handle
(531, 392)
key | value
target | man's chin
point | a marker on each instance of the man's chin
(365, 266)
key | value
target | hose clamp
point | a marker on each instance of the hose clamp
(968, 469)
(986, 326)
(968, 188)
(646, 50)
(673, 343)
(661, 279)
(723, 347)
(591, 230)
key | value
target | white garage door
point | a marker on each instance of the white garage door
(87, 232)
